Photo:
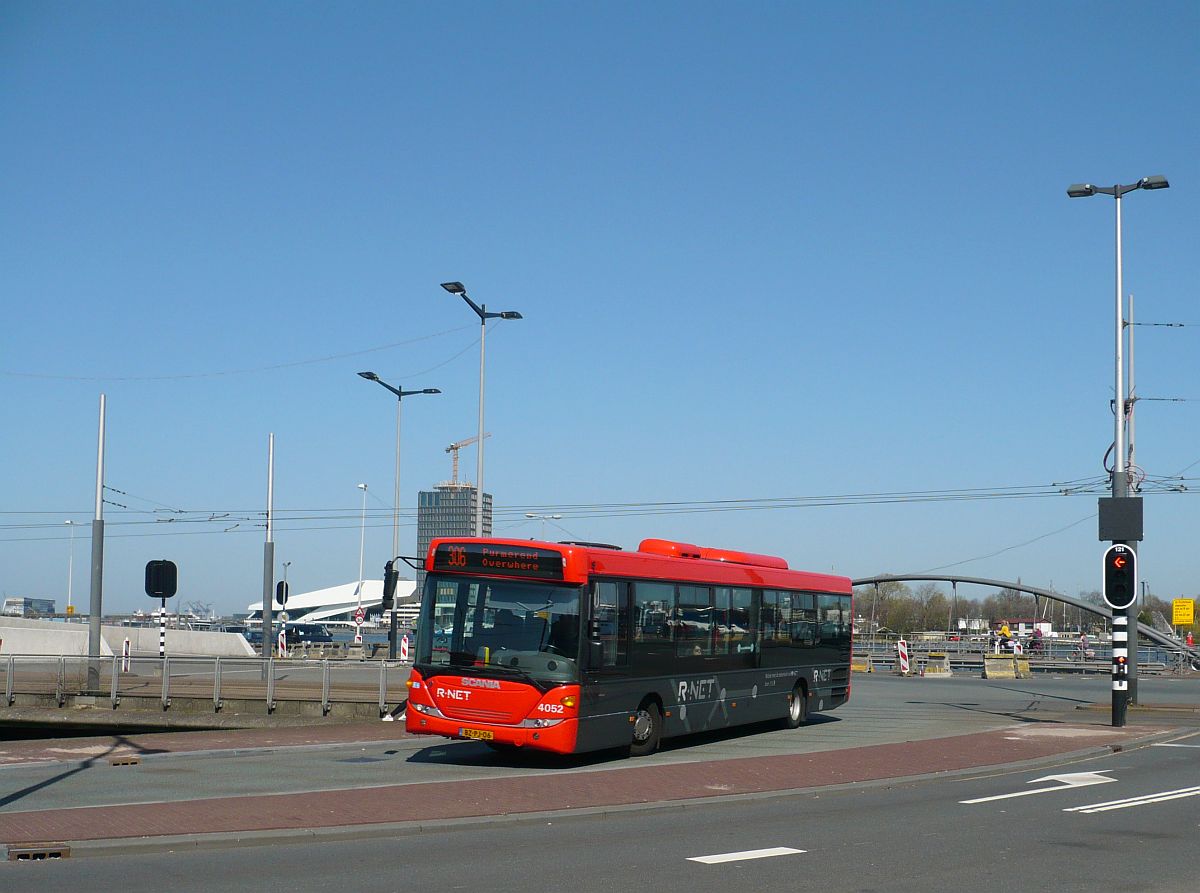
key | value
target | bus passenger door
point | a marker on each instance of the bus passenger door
(607, 662)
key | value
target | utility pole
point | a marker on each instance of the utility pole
(1121, 516)
(96, 608)
(268, 587)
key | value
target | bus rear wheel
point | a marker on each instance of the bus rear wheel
(647, 730)
(797, 713)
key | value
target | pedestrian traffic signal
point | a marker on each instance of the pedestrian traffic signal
(390, 578)
(1120, 576)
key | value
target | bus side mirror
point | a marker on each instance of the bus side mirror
(595, 655)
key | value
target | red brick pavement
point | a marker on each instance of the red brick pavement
(632, 784)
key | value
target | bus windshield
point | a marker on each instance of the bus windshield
(511, 626)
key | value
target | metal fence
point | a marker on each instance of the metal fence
(1053, 654)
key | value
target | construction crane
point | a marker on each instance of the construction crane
(453, 451)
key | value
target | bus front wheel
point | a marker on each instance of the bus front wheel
(647, 730)
(797, 713)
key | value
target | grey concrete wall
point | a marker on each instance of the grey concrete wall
(48, 638)
(44, 637)
(143, 641)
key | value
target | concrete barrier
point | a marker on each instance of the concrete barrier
(46, 637)
(861, 663)
(1021, 666)
(999, 666)
(180, 642)
(937, 663)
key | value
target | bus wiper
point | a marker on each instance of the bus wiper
(523, 675)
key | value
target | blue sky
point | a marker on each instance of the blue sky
(762, 251)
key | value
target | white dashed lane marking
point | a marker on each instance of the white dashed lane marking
(746, 854)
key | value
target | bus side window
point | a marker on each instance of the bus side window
(610, 622)
(653, 604)
(743, 630)
(693, 621)
(805, 632)
(722, 630)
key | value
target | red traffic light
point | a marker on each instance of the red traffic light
(1119, 562)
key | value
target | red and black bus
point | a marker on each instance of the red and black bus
(571, 647)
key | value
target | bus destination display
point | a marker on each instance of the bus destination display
(489, 558)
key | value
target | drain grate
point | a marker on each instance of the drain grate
(363, 760)
(37, 852)
(124, 761)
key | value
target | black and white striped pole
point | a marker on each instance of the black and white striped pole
(162, 578)
(1120, 592)
(162, 630)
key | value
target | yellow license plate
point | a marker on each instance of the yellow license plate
(478, 734)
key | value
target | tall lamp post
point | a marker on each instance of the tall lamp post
(362, 539)
(400, 395)
(1120, 479)
(70, 568)
(457, 288)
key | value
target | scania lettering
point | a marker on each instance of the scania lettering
(572, 647)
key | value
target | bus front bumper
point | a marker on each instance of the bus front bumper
(557, 736)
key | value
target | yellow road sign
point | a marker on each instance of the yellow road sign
(1183, 612)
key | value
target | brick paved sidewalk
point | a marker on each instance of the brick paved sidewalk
(629, 784)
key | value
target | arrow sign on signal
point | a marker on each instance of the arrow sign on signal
(1065, 782)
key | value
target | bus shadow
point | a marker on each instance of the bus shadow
(734, 733)
(470, 753)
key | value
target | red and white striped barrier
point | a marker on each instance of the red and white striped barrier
(902, 652)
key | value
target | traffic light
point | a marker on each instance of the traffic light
(1121, 666)
(161, 578)
(390, 577)
(281, 593)
(1120, 576)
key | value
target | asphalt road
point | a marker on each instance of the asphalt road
(916, 835)
(883, 709)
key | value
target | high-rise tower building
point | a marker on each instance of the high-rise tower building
(448, 510)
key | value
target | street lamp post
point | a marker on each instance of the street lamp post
(1123, 691)
(457, 288)
(362, 539)
(70, 568)
(543, 519)
(400, 395)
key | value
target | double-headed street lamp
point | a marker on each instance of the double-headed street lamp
(1120, 485)
(1124, 689)
(400, 395)
(543, 518)
(457, 288)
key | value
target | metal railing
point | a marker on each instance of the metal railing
(1061, 655)
(172, 681)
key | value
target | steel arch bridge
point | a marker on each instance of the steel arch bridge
(1102, 610)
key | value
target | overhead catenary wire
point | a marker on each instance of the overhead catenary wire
(249, 370)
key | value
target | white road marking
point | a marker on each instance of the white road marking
(1070, 780)
(1144, 800)
(746, 854)
(1175, 745)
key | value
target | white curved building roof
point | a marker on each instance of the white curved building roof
(337, 603)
